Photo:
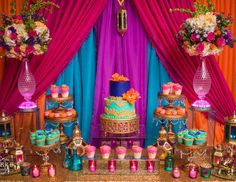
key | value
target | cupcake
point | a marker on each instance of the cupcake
(158, 109)
(137, 151)
(90, 151)
(163, 111)
(105, 151)
(65, 90)
(165, 89)
(152, 152)
(40, 140)
(171, 85)
(121, 151)
(54, 91)
(180, 137)
(56, 114)
(57, 134)
(168, 112)
(181, 111)
(46, 113)
(51, 115)
(69, 113)
(174, 112)
(50, 139)
(188, 140)
(33, 137)
(177, 89)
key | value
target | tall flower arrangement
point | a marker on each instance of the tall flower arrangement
(206, 32)
(25, 34)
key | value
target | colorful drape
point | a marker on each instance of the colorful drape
(161, 27)
(127, 55)
(69, 26)
(79, 75)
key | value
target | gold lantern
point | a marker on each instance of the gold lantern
(121, 18)
(230, 129)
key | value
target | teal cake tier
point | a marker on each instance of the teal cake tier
(117, 108)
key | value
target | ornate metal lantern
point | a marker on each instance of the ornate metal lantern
(121, 18)
(230, 129)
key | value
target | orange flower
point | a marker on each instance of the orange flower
(217, 32)
(16, 21)
(213, 46)
(131, 96)
(116, 77)
(186, 43)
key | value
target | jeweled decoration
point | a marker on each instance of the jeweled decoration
(121, 18)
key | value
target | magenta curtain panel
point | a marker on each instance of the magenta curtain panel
(69, 26)
(126, 55)
(161, 27)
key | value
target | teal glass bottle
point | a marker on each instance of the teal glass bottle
(169, 162)
(76, 162)
(67, 159)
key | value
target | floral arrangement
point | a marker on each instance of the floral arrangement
(206, 32)
(116, 77)
(131, 96)
(26, 34)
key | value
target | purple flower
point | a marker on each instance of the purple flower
(220, 42)
(7, 47)
(30, 41)
(38, 40)
(210, 36)
(194, 37)
(12, 29)
(229, 36)
(200, 47)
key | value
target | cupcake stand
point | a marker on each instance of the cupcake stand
(60, 121)
(174, 102)
(43, 151)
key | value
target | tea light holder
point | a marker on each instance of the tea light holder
(111, 166)
(206, 170)
(176, 172)
(150, 165)
(51, 171)
(193, 172)
(35, 172)
(25, 168)
(133, 165)
(92, 165)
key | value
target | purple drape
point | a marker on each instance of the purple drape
(69, 27)
(126, 55)
(161, 27)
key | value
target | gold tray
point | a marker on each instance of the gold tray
(171, 97)
(62, 120)
(191, 148)
(171, 117)
(45, 148)
(119, 126)
(60, 98)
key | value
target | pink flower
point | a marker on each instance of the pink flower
(200, 47)
(32, 33)
(17, 48)
(13, 36)
(29, 50)
(220, 42)
(194, 37)
(210, 36)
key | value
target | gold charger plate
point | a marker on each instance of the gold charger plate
(45, 148)
(170, 117)
(171, 97)
(62, 120)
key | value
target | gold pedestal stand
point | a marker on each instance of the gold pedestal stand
(43, 151)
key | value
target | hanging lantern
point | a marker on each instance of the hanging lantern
(121, 18)
(230, 129)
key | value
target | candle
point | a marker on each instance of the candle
(133, 166)
(25, 168)
(35, 172)
(92, 165)
(150, 166)
(51, 171)
(176, 172)
(111, 165)
(192, 172)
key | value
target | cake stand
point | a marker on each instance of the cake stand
(61, 120)
(43, 152)
(194, 151)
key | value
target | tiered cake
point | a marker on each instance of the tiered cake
(119, 114)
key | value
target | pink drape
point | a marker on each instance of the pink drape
(69, 27)
(161, 27)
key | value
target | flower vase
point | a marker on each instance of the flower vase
(202, 85)
(26, 86)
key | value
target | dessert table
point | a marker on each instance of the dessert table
(63, 174)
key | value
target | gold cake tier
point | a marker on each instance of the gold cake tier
(119, 126)
(45, 148)
(61, 119)
(170, 117)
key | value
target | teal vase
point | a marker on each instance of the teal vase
(67, 160)
(76, 162)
